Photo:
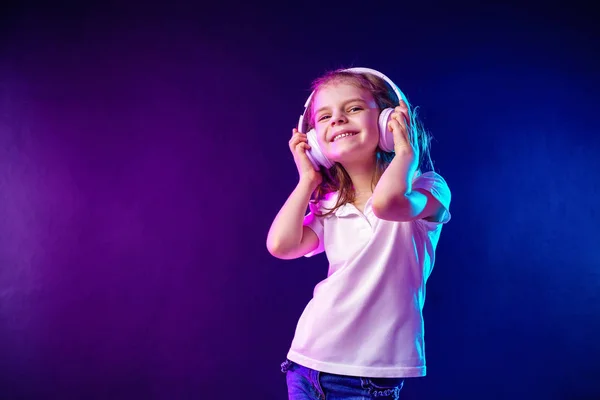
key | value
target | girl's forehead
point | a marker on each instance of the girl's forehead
(340, 91)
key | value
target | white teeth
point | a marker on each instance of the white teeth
(343, 135)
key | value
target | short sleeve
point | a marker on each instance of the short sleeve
(315, 223)
(437, 186)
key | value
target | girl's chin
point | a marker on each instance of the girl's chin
(351, 152)
(347, 158)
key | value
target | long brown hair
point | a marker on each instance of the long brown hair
(336, 178)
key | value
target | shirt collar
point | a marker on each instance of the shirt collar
(330, 200)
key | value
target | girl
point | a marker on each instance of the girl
(378, 218)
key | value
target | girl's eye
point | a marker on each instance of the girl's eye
(322, 117)
(355, 108)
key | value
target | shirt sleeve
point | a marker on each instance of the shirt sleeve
(437, 186)
(316, 224)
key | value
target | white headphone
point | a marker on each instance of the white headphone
(386, 139)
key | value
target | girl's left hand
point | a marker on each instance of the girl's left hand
(404, 144)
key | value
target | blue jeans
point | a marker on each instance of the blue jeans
(307, 384)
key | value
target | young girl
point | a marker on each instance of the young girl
(360, 152)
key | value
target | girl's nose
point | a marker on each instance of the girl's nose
(338, 119)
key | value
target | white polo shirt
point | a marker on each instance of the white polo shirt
(366, 318)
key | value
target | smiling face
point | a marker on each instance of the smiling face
(345, 118)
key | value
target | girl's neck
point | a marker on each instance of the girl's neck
(362, 178)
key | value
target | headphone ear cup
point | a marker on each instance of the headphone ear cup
(386, 138)
(315, 154)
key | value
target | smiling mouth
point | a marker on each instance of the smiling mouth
(344, 135)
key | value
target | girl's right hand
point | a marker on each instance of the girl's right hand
(299, 145)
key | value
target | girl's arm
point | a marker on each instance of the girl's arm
(288, 238)
(393, 197)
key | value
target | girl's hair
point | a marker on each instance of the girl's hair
(336, 178)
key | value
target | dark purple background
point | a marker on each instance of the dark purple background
(143, 156)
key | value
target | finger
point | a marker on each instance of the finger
(402, 110)
(295, 143)
(297, 133)
(400, 119)
(406, 133)
(394, 123)
(294, 134)
(396, 127)
(300, 147)
(297, 139)
(401, 116)
(401, 105)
